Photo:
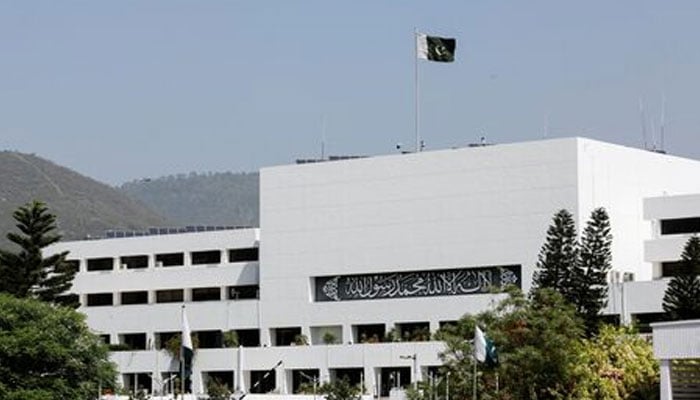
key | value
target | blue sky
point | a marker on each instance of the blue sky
(122, 90)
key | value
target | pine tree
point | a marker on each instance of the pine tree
(27, 273)
(595, 256)
(682, 297)
(558, 257)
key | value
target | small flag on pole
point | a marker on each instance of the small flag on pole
(186, 350)
(435, 48)
(484, 349)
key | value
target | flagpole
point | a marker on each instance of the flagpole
(417, 104)
(182, 355)
(475, 377)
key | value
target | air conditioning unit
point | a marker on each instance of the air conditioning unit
(122, 266)
(159, 264)
(628, 277)
(614, 276)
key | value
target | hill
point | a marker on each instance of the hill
(223, 198)
(83, 206)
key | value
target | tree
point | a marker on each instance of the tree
(27, 273)
(590, 287)
(340, 389)
(47, 352)
(617, 364)
(682, 297)
(558, 257)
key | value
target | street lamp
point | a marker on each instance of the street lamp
(413, 357)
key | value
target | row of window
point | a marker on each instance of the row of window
(678, 226)
(242, 292)
(140, 261)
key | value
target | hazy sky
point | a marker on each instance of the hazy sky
(122, 90)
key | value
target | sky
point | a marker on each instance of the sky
(125, 90)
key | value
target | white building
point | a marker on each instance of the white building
(352, 249)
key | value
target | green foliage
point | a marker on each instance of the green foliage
(301, 340)
(591, 288)
(217, 390)
(230, 339)
(340, 389)
(329, 338)
(577, 271)
(174, 345)
(48, 352)
(682, 297)
(558, 257)
(27, 273)
(617, 364)
(201, 198)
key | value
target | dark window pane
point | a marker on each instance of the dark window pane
(210, 339)
(244, 292)
(206, 257)
(99, 299)
(170, 259)
(135, 297)
(169, 296)
(240, 255)
(74, 264)
(100, 264)
(134, 262)
(680, 225)
(671, 268)
(135, 341)
(206, 294)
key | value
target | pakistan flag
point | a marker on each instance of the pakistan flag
(435, 48)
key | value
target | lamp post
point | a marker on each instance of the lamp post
(413, 357)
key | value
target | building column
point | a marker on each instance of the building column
(347, 335)
(665, 386)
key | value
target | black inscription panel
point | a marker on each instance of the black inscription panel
(444, 282)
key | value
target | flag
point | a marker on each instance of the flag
(186, 349)
(484, 349)
(435, 48)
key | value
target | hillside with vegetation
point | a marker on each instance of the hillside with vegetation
(84, 207)
(223, 198)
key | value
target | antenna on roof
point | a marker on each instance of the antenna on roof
(662, 128)
(644, 124)
(323, 136)
(546, 125)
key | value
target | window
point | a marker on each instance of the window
(248, 337)
(373, 333)
(99, 299)
(304, 376)
(206, 294)
(671, 268)
(134, 262)
(169, 296)
(104, 338)
(414, 331)
(206, 257)
(240, 255)
(100, 264)
(680, 225)
(162, 338)
(244, 292)
(135, 341)
(74, 264)
(140, 297)
(170, 259)
(266, 381)
(210, 339)
(286, 336)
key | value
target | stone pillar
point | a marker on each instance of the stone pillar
(665, 386)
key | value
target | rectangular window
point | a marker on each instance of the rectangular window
(241, 255)
(140, 297)
(671, 268)
(134, 262)
(74, 264)
(206, 294)
(99, 299)
(210, 339)
(169, 296)
(162, 338)
(100, 264)
(170, 259)
(680, 225)
(206, 257)
(135, 341)
(244, 292)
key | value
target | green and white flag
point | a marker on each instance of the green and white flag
(186, 350)
(435, 48)
(484, 349)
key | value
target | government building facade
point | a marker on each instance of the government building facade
(357, 263)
